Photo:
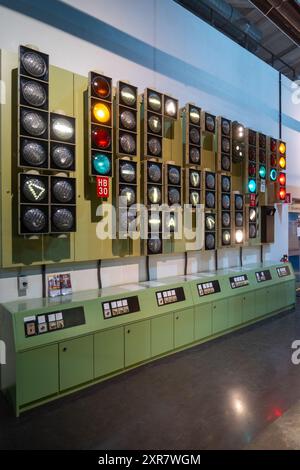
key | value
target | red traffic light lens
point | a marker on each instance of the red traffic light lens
(273, 145)
(273, 160)
(252, 170)
(282, 179)
(101, 87)
(282, 194)
(101, 138)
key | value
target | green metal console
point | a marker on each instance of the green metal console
(57, 346)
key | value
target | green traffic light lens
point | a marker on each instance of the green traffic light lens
(252, 186)
(273, 174)
(101, 164)
(262, 171)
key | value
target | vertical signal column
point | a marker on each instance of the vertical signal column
(238, 218)
(191, 115)
(281, 183)
(152, 172)
(126, 151)
(100, 122)
(224, 168)
(209, 186)
(251, 176)
(33, 141)
(262, 161)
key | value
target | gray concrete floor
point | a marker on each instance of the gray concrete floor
(231, 393)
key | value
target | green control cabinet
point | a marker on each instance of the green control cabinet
(56, 346)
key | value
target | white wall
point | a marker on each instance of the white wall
(179, 54)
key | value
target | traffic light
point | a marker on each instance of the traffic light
(192, 134)
(173, 186)
(262, 157)
(153, 182)
(63, 204)
(193, 186)
(224, 210)
(252, 221)
(153, 123)
(127, 182)
(62, 142)
(238, 219)
(126, 120)
(100, 123)
(238, 142)
(272, 160)
(281, 186)
(33, 106)
(208, 122)
(224, 162)
(33, 204)
(209, 195)
(251, 164)
(170, 108)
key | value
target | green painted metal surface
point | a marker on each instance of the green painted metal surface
(183, 328)
(162, 334)
(203, 321)
(76, 365)
(137, 343)
(109, 351)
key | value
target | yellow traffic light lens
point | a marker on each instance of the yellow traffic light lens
(282, 162)
(282, 148)
(101, 112)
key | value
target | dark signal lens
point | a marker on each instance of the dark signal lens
(101, 87)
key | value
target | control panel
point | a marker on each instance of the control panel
(207, 288)
(170, 296)
(45, 323)
(283, 271)
(118, 307)
(239, 281)
(262, 276)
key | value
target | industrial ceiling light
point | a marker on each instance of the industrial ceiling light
(101, 164)
(195, 179)
(34, 93)
(239, 236)
(34, 219)
(62, 157)
(154, 123)
(34, 64)
(63, 190)
(128, 120)
(33, 153)
(127, 172)
(252, 186)
(174, 175)
(194, 198)
(101, 137)
(101, 112)
(101, 87)
(154, 194)
(62, 128)
(273, 174)
(33, 122)
(127, 143)
(63, 219)
(154, 146)
(154, 101)
(154, 172)
(129, 194)
(34, 189)
(194, 135)
(195, 155)
(174, 196)
(194, 115)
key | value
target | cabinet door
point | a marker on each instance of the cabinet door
(183, 327)
(109, 351)
(76, 362)
(37, 374)
(272, 299)
(260, 303)
(162, 334)
(235, 305)
(220, 315)
(137, 342)
(203, 321)
(290, 292)
(248, 307)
